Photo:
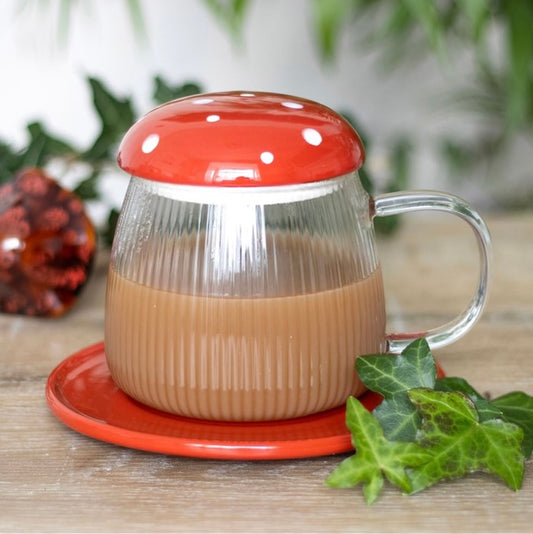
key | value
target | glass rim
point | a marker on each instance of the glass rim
(279, 194)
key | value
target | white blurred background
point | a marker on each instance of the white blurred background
(43, 78)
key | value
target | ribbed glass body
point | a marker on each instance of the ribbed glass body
(243, 303)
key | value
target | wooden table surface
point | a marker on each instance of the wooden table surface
(54, 479)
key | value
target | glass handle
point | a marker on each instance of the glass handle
(407, 201)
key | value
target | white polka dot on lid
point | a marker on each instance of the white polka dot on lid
(267, 157)
(292, 105)
(150, 143)
(202, 101)
(312, 136)
(212, 118)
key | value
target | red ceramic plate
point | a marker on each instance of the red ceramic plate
(82, 394)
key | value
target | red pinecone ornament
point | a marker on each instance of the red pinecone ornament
(47, 246)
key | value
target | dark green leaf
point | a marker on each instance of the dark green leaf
(486, 409)
(376, 457)
(41, 147)
(87, 189)
(358, 127)
(366, 182)
(517, 408)
(390, 374)
(398, 417)
(461, 444)
(387, 225)
(393, 376)
(10, 162)
(164, 92)
(364, 175)
(116, 116)
(109, 231)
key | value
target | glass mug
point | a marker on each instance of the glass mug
(244, 279)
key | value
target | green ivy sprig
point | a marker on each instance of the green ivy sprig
(429, 429)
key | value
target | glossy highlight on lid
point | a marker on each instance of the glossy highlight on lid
(241, 139)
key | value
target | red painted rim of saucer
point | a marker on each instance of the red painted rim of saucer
(81, 393)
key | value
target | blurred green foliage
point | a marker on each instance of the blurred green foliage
(116, 114)
(497, 33)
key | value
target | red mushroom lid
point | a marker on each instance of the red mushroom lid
(241, 139)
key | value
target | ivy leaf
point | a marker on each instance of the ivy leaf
(42, 146)
(486, 410)
(109, 231)
(376, 458)
(517, 408)
(87, 189)
(116, 116)
(163, 92)
(461, 444)
(393, 376)
(10, 162)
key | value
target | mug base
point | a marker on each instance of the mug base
(82, 394)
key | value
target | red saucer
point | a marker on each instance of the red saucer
(82, 394)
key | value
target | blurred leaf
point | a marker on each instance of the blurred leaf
(164, 92)
(361, 132)
(400, 165)
(230, 13)
(366, 180)
(477, 12)
(400, 162)
(329, 17)
(42, 146)
(428, 17)
(65, 10)
(399, 22)
(520, 59)
(87, 189)
(10, 162)
(64, 20)
(109, 231)
(137, 18)
(485, 95)
(457, 156)
(116, 116)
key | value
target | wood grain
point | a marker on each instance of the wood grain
(55, 480)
